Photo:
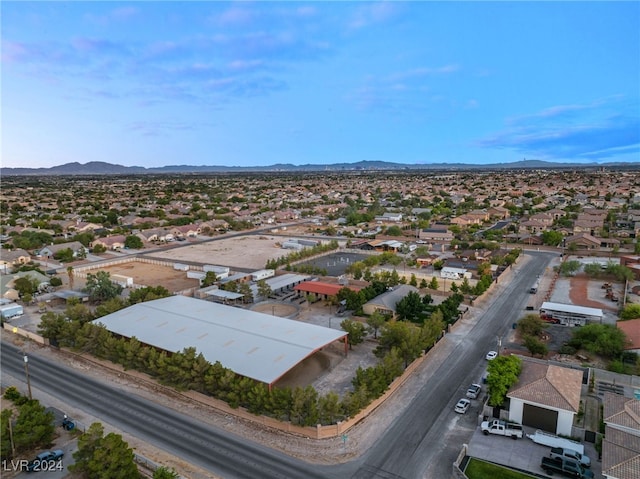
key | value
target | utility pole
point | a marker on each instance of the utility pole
(26, 371)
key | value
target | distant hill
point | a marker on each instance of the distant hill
(102, 168)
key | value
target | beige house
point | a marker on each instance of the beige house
(10, 258)
(546, 397)
(110, 242)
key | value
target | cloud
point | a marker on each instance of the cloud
(117, 15)
(400, 92)
(372, 13)
(159, 128)
(603, 129)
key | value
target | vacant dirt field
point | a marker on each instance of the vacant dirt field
(244, 252)
(153, 275)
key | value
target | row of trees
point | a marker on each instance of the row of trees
(302, 254)
(190, 370)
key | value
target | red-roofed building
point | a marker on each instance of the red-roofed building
(321, 289)
(631, 329)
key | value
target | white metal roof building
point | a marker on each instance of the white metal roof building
(570, 314)
(255, 345)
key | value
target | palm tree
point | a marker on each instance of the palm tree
(70, 273)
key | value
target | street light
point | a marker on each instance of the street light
(26, 371)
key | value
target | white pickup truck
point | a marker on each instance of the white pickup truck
(501, 428)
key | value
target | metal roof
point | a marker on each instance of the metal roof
(571, 308)
(255, 345)
(221, 293)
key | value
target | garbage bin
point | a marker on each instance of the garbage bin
(514, 326)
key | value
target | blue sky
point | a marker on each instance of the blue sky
(259, 83)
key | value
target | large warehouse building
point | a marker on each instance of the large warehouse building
(255, 345)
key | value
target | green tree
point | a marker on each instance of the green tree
(393, 231)
(148, 293)
(356, 331)
(413, 281)
(531, 325)
(503, 372)
(246, 291)
(64, 255)
(133, 242)
(630, 311)
(5, 434)
(264, 290)
(410, 307)
(55, 281)
(535, 346)
(551, 238)
(34, 427)
(569, 268)
(209, 279)
(103, 457)
(25, 285)
(603, 339)
(433, 284)
(375, 322)
(100, 287)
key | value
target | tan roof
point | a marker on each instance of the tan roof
(548, 385)
(620, 454)
(621, 411)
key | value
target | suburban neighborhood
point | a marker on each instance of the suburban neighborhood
(335, 291)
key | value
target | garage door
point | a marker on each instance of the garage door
(540, 418)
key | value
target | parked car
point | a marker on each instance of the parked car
(561, 452)
(566, 467)
(501, 428)
(491, 355)
(46, 461)
(473, 391)
(462, 406)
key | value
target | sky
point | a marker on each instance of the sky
(260, 83)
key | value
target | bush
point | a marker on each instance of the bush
(12, 394)
(566, 349)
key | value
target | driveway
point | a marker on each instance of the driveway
(522, 454)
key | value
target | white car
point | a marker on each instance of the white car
(462, 406)
(473, 391)
(491, 355)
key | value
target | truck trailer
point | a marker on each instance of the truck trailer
(11, 310)
(546, 439)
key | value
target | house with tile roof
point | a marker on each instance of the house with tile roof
(546, 396)
(621, 442)
(631, 330)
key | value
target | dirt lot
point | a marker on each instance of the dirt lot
(153, 275)
(244, 252)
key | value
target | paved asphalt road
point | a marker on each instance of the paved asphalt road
(412, 447)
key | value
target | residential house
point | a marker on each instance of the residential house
(386, 302)
(186, 231)
(436, 234)
(583, 241)
(77, 248)
(110, 242)
(546, 396)
(621, 441)
(13, 258)
(390, 217)
(631, 329)
(499, 212)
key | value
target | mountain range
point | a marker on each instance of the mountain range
(98, 168)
